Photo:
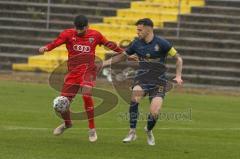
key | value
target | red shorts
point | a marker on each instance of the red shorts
(73, 82)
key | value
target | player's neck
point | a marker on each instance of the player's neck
(149, 38)
(82, 34)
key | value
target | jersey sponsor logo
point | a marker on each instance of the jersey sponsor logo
(81, 48)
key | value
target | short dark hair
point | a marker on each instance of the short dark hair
(80, 21)
(145, 22)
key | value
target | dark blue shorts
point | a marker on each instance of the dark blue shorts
(153, 90)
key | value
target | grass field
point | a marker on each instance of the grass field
(27, 120)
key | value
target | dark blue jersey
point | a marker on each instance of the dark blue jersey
(152, 57)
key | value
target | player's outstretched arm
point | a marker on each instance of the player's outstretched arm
(179, 66)
(115, 59)
(61, 39)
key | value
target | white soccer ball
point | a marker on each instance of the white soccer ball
(61, 104)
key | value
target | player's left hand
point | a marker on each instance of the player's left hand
(178, 80)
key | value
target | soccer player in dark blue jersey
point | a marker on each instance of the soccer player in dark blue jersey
(152, 52)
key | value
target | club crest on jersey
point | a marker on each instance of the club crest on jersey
(91, 40)
(156, 48)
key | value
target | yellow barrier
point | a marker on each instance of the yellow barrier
(116, 29)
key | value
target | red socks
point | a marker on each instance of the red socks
(89, 108)
(67, 118)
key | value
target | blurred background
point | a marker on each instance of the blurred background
(205, 32)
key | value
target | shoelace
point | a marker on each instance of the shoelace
(91, 133)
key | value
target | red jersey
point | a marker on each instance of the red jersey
(81, 49)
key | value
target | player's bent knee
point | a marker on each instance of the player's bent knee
(137, 93)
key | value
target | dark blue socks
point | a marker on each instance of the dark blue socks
(133, 112)
(151, 121)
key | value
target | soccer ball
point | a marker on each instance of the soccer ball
(61, 104)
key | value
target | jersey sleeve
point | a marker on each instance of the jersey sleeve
(61, 39)
(131, 49)
(167, 48)
(101, 39)
(109, 44)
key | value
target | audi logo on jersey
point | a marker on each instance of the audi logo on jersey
(81, 48)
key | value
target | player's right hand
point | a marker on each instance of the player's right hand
(178, 80)
(42, 49)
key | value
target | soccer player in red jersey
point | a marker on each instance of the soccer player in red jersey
(81, 44)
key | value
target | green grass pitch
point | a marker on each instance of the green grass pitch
(27, 121)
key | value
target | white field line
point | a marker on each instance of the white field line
(181, 129)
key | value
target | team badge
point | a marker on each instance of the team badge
(157, 48)
(91, 40)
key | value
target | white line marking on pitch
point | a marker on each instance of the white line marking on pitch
(185, 129)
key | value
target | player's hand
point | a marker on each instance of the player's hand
(42, 49)
(133, 58)
(178, 80)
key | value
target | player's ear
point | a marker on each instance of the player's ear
(149, 29)
(145, 29)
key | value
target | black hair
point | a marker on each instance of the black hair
(80, 21)
(145, 22)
